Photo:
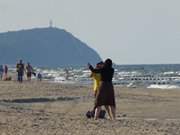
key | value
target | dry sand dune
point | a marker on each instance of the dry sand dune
(41, 108)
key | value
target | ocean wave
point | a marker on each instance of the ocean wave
(151, 76)
(155, 86)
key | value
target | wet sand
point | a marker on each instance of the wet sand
(41, 108)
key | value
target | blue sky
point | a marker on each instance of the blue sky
(128, 31)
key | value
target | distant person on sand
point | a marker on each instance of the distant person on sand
(20, 71)
(5, 72)
(105, 95)
(39, 76)
(66, 73)
(29, 71)
(1, 72)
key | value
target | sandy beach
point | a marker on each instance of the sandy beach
(41, 108)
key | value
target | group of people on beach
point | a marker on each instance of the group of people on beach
(103, 88)
(28, 69)
(21, 69)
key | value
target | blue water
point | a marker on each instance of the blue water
(126, 75)
(151, 76)
(149, 69)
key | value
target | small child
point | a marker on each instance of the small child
(39, 76)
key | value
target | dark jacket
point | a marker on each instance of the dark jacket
(106, 73)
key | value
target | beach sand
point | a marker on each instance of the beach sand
(41, 108)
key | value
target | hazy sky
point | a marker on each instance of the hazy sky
(128, 31)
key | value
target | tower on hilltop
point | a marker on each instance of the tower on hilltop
(50, 24)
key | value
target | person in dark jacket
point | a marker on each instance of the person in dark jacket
(20, 71)
(105, 95)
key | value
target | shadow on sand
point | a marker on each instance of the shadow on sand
(40, 100)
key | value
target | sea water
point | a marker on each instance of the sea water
(163, 76)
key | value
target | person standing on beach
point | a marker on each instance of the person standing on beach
(1, 71)
(96, 78)
(66, 73)
(105, 95)
(29, 71)
(5, 72)
(20, 71)
(96, 81)
(39, 76)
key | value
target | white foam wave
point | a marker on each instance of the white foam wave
(163, 86)
(63, 80)
(169, 73)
